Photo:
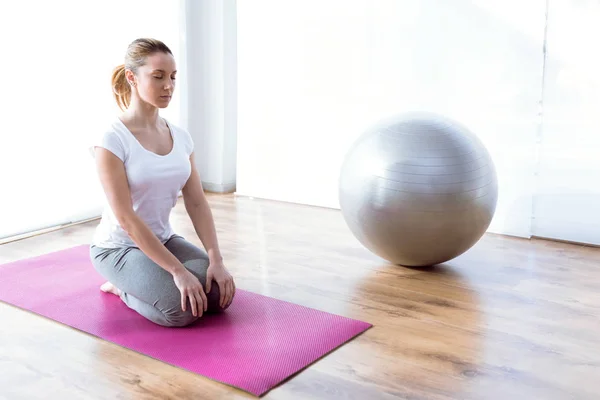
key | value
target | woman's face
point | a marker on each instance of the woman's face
(155, 81)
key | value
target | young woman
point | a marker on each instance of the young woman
(143, 163)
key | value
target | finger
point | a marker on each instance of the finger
(229, 293)
(204, 300)
(200, 303)
(183, 300)
(233, 291)
(223, 286)
(221, 293)
(194, 305)
(229, 290)
(208, 282)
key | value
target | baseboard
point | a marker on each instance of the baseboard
(219, 187)
(551, 239)
(43, 231)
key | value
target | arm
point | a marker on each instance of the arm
(199, 211)
(114, 182)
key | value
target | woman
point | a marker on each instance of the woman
(143, 163)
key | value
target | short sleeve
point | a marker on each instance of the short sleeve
(189, 142)
(186, 139)
(110, 141)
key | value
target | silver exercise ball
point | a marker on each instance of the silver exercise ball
(418, 189)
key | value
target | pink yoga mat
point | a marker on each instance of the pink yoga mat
(257, 344)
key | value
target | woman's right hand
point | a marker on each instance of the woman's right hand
(190, 287)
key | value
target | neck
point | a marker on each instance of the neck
(142, 113)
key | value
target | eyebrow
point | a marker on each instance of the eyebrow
(160, 70)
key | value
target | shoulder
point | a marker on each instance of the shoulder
(114, 139)
(183, 136)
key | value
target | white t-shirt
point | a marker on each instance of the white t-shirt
(154, 181)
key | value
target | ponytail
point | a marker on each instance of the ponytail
(121, 89)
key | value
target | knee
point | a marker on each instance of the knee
(179, 319)
(174, 316)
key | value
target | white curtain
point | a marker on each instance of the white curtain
(209, 31)
(567, 203)
(57, 58)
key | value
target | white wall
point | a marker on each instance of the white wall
(313, 75)
(568, 204)
(210, 89)
(56, 96)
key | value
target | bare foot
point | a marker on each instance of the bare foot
(108, 287)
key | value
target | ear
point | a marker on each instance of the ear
(130, 77)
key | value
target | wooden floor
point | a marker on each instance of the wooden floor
(510, 319)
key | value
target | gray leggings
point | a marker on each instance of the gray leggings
(149, 289)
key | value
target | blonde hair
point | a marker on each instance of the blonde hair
(135, 57)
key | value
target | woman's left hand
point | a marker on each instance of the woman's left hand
(217, 272)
